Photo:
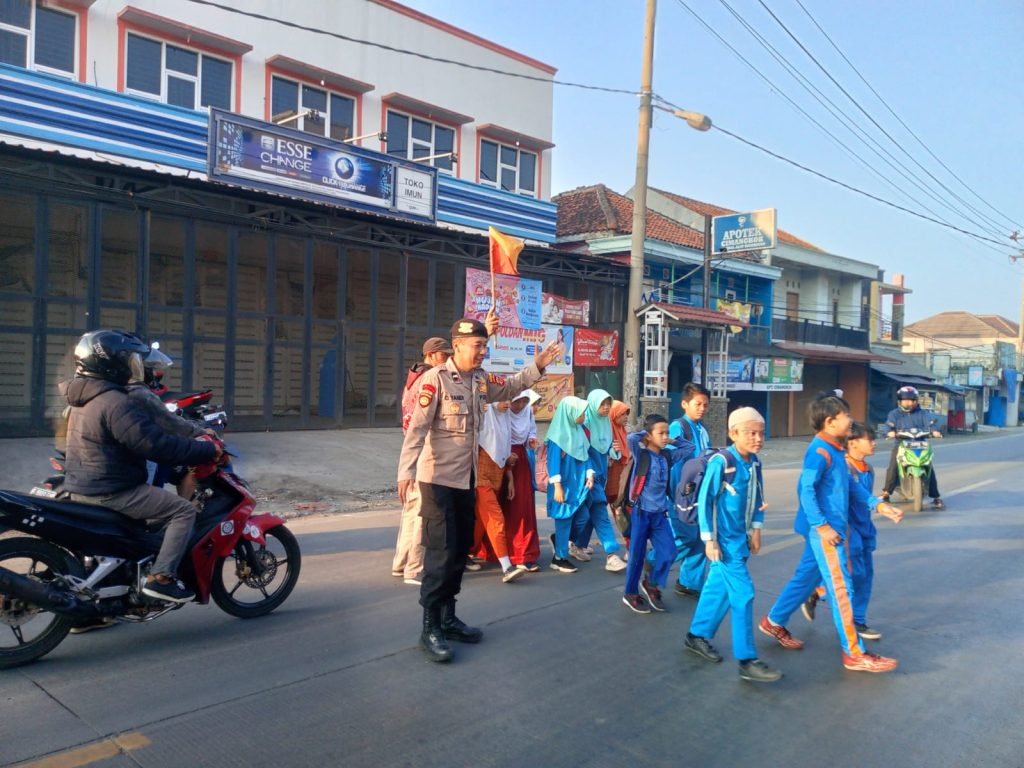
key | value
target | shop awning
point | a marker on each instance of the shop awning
(737, 349)
(822, 353)
(694, 317)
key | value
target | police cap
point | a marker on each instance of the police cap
(467, 327)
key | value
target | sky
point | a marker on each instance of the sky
(951, 71)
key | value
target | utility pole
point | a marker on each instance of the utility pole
(631, 347)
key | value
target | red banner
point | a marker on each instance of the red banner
(558, 310)
(596, 348)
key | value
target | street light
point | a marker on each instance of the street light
(695, 120)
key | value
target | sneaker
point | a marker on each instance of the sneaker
(636, 604)
(938, 504)
(88, 625)
(756, 671)
(781, 634)
(416, 580)
(615, 564)
(532, 567)
(398, 574)
(867, 632)
(682, 591)
(653, 595)
(588, 550)
(869, 662)
(172, 592)
(578, 554)
(512, 573)
(809, 605)
(472, 565)
(563, 565)
(702, 648)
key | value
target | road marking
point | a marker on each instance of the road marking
(967, 488)
(91, 753)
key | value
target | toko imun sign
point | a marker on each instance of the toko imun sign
(738, 232)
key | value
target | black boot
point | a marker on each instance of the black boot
(432, 639)
(454, 629)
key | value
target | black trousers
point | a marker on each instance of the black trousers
(892, 475)
(449, 515)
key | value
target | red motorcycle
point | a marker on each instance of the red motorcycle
(84, 563)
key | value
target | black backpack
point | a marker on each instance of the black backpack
(622, 507)
(692, 478)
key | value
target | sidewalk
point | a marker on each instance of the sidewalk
(327, 471)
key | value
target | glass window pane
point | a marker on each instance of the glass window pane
(422, 130)
(314, 98)
(488, 161)
(527, 171)
(357, 301)
(252, 273)
(388, 288)
(17, 13)
(421, 150)
(181, 93)
(215, 90)
(445, 310)
(284, 99)
(289, 283)
(142, 71)
(398, 134)
(342, 117)
(167, 262)
(211, 266)
(416, 293)
(17, 243)
(508, 156)
(183, 60)
(13, 48)
(508, 179)
(119, 255)
(325, 281)
(69, 251)
(55, 39)
(444, 139)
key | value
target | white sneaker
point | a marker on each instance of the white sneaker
(615, 564)
(589, 550)
(578, 554)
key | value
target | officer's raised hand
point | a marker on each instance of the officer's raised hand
(491, 322)
(548, 355)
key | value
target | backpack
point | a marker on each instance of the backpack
(622, 507)
(692, 478)
(540, 468)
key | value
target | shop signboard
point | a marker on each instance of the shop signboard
(559, 310)
(552, 389)
(738, 232)
(738, 372)
(518, 299)
(512, 349)
(778, 374)
(975, 376)
(596, 348)
(273, 158)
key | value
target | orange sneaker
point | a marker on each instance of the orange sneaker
(869, 662)
(786, 640)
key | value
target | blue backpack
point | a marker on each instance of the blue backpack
(692, 477)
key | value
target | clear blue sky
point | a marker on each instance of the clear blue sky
(953, 71)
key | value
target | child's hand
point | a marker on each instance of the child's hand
(712, 551)
(616, 446)
(511, 486)
(559, 493)
(534, 443)
(888, 510)
(590, 482)
(754, 541)
(829, 535)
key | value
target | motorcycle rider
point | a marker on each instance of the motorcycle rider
(110, 437)
(909, 415)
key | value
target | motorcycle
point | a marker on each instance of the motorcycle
(83, 563)
(914, 464)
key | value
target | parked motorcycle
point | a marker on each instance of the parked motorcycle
(914, 463)
(83, 563)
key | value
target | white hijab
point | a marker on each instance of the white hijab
(496, 434)
(523, 424)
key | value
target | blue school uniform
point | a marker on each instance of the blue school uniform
(862, 541)
(593, 514)
(825, 489)
(572, 475)
(690, 554)
(729, 585)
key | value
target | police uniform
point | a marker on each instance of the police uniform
(440, 453)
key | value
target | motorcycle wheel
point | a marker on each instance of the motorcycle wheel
(281, 553)
(43, 561)
(917, 492)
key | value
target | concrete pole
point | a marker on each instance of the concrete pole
(631, 346)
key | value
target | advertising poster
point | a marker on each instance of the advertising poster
(739, 372)
(512, 349)
(596, 348)
(552, 388)
(519, 299)
(736, 309)
(559, 310)
(778, 374)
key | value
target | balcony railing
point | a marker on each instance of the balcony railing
(813, 332)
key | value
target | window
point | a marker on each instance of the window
(333, 114)
(412, 138)
(508, 168)
(176, 75)
(46, 37)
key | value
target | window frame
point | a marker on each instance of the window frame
(30, 32)
(302, 83)
(165, 73)
(434, 125)
(499, 166)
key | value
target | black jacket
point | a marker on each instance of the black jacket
(110, 437)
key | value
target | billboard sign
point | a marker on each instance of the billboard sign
(512, 349)
(518, 299)
(778, 374)
(738, 232)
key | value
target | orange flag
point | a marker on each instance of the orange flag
(505, 251)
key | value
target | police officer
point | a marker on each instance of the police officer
(440, 453)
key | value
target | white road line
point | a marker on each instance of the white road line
(966, 488)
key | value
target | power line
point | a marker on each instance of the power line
(408, 52)
(900, 120)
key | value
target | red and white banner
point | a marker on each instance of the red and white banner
(596, 348)
(559, 310)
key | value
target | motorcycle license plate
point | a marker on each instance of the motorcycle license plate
(917, 444)
(218, 416)
(46, 493)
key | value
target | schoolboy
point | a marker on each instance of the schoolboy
(649, 514)
(824, 491)
(730, 514)
(862, 535)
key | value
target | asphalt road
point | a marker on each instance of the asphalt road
(566, 675)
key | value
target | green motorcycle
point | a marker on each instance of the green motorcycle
(914, 462)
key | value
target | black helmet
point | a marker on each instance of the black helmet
(112, 355)
(906, 393)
